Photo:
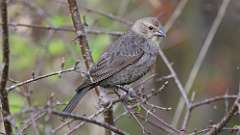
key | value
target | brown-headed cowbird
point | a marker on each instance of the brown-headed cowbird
(124, 61)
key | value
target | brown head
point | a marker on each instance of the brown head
(148, 27)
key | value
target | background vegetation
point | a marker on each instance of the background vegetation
(42, 41)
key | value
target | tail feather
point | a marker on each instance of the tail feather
(76, 98)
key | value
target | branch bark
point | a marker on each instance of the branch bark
(217, 129)
(76, 117)
(81, 35)
(4, 76)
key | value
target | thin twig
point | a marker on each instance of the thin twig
(32, 116)
(217, 128)
(235, 107)
(165, 124)
(4, 77)
(100, 111)
(67, 115)
(155, 124)
(226, 102)
(167, 27)
(110, 16)
(201, 56)
(203, 131)
(10, 88)
(77, 117)
(28, 123)
(135, 118)
(187, 116)
(61, 126)
(213, 99)
(66, 29)
(177, 12)
(176, 79)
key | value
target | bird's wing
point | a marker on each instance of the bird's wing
(116, 59)
(111, 65)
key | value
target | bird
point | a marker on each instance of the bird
(125, 60)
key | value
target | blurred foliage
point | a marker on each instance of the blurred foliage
(98, 44)
(59, 21)
(23, 53)
(17, 102)
(56, 47)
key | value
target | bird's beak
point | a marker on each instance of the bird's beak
(160, 33)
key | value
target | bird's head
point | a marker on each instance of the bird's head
(149, 27)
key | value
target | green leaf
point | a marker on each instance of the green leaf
(56, 47)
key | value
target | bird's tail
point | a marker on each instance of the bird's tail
(81, 91)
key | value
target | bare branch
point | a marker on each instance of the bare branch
(176, 79)
(213, 99)
(177, 12)
(201, 56)
(165, 124)
(167, 26)
(100, 111)
(81, 33)
(4, 77)
(66, 29)
(9, 89)
(77, 117)
(187, 116)
(217, 128)
(110, 16)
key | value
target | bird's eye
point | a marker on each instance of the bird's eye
(150, 27)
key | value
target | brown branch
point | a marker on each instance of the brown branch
(110, 16)
(49, 111)
(217, 128)
(77, 117)
(187, 116)
(9, 89)
(28, 123)
(4, 76)
(203, 131)
(108, 118)
(99, 111)
(80, 31)
(66, 29)
(161, 121)
(192, 76)
(167, 27)
(155, 124)
(81, 35)
(213, 99)
(175, 77)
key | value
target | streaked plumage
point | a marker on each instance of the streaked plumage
(126, 60)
